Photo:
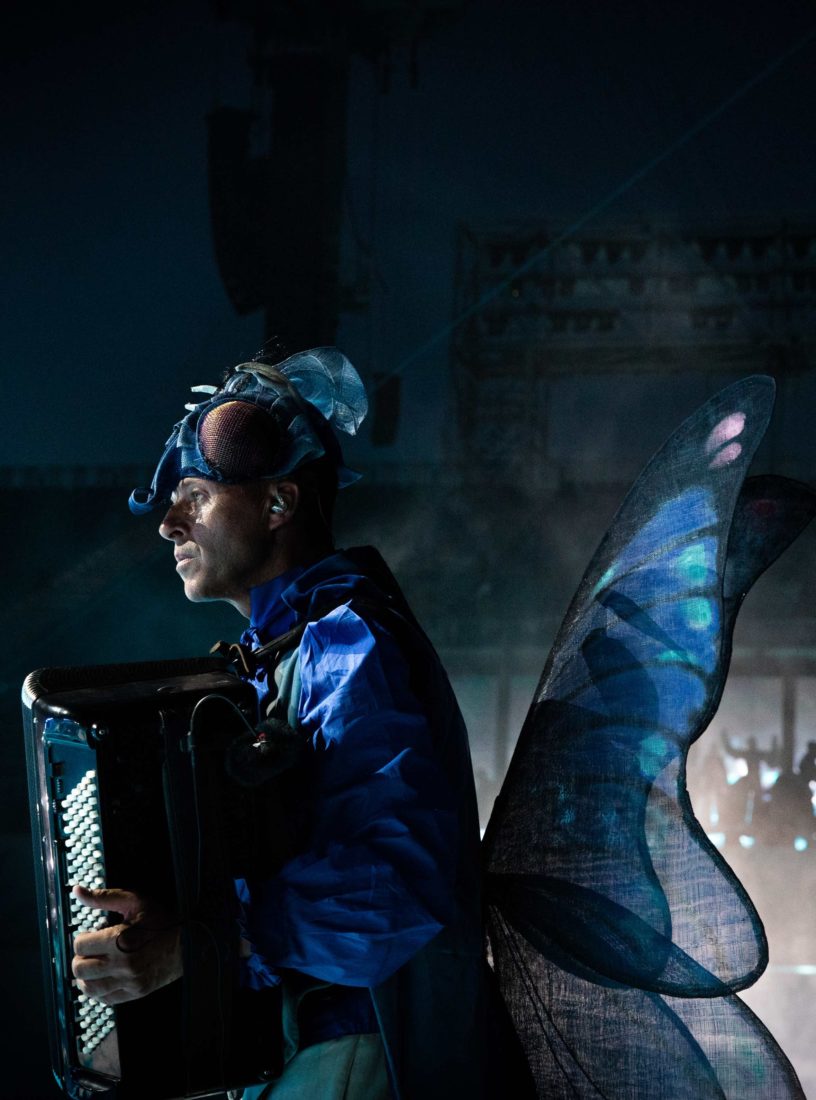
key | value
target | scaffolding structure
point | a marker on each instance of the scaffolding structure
(543, 304)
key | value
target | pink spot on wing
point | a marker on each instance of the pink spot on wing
(726, 455)
(728, 428)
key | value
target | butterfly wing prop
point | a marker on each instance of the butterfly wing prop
(618, 932)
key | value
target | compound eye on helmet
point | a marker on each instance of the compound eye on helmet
(240, 440)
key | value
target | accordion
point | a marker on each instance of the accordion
(130, 787)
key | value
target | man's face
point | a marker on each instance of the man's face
(222, 539)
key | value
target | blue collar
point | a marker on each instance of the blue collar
(307, 591)
(270, 614)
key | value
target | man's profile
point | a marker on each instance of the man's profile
(373, 928)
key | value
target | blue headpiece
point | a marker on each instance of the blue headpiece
(264, 422)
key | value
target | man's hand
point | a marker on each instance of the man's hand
(128, 960)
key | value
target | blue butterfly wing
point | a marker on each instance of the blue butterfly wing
(595, 860)
(587, 1040)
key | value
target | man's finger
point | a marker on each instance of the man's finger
(102, 942)
(109, 968)
(108, 991)
(117, 901)
(101, 967)
(120, 996)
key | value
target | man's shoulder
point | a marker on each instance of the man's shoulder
(350, 605)
(355, 625)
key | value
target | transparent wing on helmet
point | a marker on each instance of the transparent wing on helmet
(595, 860)
(326, 379)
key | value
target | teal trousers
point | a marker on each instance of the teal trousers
(349, 1068)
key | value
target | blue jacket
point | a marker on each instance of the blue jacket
(385, 895)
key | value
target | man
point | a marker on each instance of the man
(374, 926)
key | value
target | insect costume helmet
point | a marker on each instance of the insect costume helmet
(264, 422)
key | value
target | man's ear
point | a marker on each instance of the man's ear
(283, 498)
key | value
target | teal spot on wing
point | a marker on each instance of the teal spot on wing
(699, 614)
(604, 580)
(653, 755)
(694, 564)
(678, 656)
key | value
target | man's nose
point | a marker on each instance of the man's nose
(172, 526)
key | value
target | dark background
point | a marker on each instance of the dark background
(111, 301)
(112, 304)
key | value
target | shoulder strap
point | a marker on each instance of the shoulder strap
(247, 659)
